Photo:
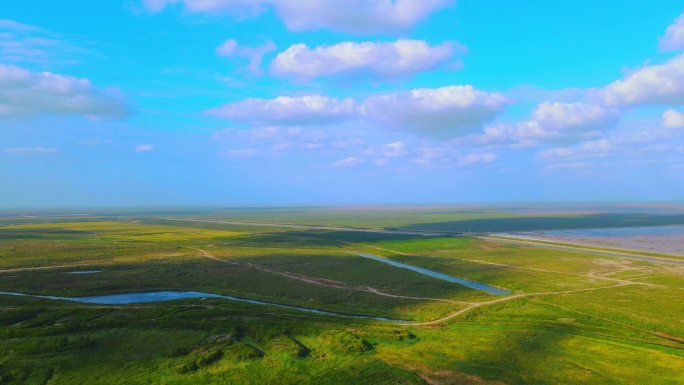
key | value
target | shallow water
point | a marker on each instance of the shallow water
(657, 239)
(84, 272)
(434, 274)
(156, 296)
(616, 231)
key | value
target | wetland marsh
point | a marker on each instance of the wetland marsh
(206, 303)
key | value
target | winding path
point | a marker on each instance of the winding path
(368, 289)
(322, 281)
(468, 305)
(510, 298)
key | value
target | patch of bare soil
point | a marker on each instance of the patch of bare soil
(448, 377)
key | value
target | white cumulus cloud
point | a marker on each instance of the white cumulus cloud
(654, 84)
(383, 59)
(431, 155)
(471, 159)
(445, 156)
(559, 123)
(25, 93)
(231, 48)
(287, 110)
(388, 150)
(649, 145)
(566, 121)
(347, 162)
(673, 119)
(238, 7)
(356, 16)
(673, 40)
(438, 112)
(564, 116)
(583, 151)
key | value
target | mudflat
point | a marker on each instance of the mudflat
(662, 239)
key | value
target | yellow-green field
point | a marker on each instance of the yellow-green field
(124, 231)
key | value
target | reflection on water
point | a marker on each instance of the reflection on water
(615, 231)
(156, 296)
(434, 274)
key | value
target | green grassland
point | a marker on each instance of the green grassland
(572, 317)
(446, 219)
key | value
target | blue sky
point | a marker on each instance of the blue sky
(234, 102)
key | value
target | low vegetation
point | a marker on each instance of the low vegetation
(572, 317)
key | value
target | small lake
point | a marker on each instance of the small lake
(435, 274)
(79, 272)
(157, 296)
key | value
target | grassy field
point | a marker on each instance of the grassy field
(572, 317)
(447, 219)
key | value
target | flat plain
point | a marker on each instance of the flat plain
(572, 316)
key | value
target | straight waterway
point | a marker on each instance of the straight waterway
(435, 274)
(157, 296)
